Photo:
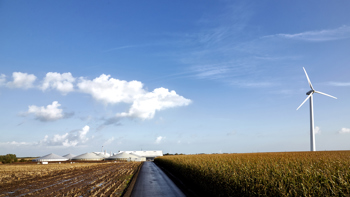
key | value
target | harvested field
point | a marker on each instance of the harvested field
(78, 179)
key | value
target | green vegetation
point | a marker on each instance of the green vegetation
(9, 158)
(264, 174)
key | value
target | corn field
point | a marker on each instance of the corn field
(324, 173)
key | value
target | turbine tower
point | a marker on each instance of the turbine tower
(310, 93)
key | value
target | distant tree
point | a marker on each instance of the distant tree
(9, 158)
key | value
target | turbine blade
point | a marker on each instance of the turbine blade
(326, 94)
(305, 100)
(308, 79)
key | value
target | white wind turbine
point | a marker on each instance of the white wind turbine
(310, 93)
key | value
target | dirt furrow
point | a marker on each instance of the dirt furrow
(95, 180)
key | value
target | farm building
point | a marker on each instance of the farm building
(140, 158)
(150, 154)
(69, 156)
(127, 157)
(87, 157)
(50, 157)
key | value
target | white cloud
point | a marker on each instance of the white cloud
(19, 143)
(109, 141)
(22, 80)
(104, 89)
(339, 83)
(317, 130)
(344, 130)
(111, 91)
(319, 36)
(2, 79)
(61, 82)
(159, 139)
(48, 113)
(70, 139)
(145, 106)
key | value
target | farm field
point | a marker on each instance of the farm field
(77, 179)
(324, 173)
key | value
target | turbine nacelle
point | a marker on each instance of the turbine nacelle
(310, 92)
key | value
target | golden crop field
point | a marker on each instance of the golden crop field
(325, 173)
(77, 179)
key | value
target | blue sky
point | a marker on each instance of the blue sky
(182, 77)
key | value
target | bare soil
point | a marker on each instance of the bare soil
(88, 179)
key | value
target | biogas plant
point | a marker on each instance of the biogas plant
(102, 156)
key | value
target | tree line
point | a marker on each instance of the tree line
(9, 158)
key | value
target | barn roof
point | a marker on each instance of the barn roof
(69, 156)
(87, 156)
(149, 153)
(51, 157)
(123, 155)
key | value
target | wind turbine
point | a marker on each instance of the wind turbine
(310, 93)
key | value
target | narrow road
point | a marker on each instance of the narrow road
(153, 182)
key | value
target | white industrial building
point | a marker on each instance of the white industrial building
(50, 157)
(150, 154)
(87, 157)
(123, 156)
(102, 154)
(69, 156)
(99, 156)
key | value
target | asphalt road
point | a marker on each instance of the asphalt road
(152, 182)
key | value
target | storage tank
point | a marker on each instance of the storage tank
(87, 157)
(50, 157)
(69, 156)
(124, 157)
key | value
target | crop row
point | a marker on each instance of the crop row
(102, 179)
(323, 173)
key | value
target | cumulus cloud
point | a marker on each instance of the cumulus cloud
(48, 113)
(111, 91)
(159, 139)
(317, 130)
(2, 79)
(145, 106)
(105, 89)
(344, 130)
(21, 80)
(61, 82)
(70, 139)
